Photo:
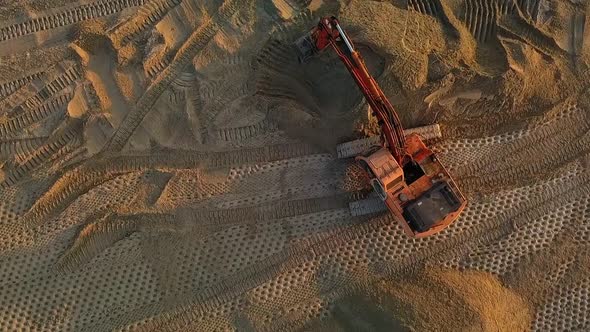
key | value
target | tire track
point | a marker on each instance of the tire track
(43, 154)
(8, 88)
(147, 17)
(39, 89)
(197, 41)
(81, 179)
(537, 162)
(101, 234)
(501, 146)
(245, 132)
(486, 232)
(28, 117)
(68, 16)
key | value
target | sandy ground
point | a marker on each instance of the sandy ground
(169, 165)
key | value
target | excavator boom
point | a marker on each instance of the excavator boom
(404, 173)
(329, 33)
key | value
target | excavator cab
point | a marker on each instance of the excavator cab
(404, 173)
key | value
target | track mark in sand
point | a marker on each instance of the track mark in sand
(502, 257)
(489, 231)
(81, 179)
(518, 26)
(101, 234)
(104, 233)
(529, 8)
(49, 99)
(245, 132)
(276, 59)
(469, 155)
(229, 287)
(538, 160)
(147, 16)
(428, 7)
(68, 75)
(458, 242)
(564, 136)
(197, 41)
(29, 117)
(20, 148)
(69, 15)
(7, 88)
(480, 17)
(222, 218)
(577, 33)
(576, 298)
(43, 154)
(155, 64)
(42, 86)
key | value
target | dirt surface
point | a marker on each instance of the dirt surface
(170, 165)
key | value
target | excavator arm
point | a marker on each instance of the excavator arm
(405, 174)
(329, 33)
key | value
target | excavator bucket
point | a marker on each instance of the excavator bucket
(306, 47)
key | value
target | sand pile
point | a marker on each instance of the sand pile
(445, 300)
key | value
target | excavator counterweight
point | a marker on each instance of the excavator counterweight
(404, 173)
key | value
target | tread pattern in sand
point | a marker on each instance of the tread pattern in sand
(147, 17)
(69, 15)
(184, 56)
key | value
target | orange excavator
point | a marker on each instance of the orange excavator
(403, 172)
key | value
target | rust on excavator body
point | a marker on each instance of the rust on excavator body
(403, 171)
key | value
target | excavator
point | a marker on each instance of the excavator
(404, 173)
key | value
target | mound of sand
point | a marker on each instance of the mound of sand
(436, 300)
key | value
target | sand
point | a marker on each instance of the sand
(169, 165)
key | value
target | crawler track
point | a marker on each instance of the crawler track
(428, 7)
(87, 176)
(104, 232)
